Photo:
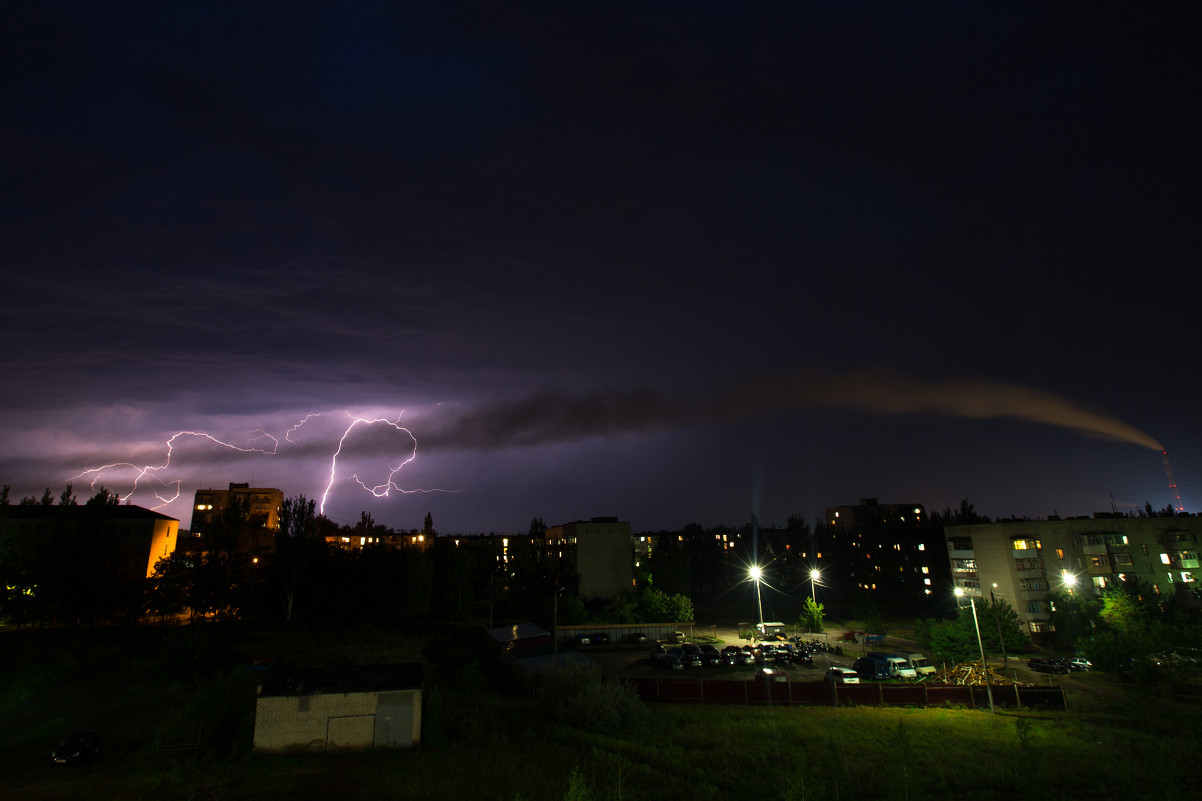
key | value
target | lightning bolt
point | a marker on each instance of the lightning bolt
(379, 490)
(288, 433)
(168, 491)
(97, 473)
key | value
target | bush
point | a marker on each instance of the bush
(577, 697)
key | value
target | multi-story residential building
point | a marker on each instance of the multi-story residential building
(889, 550)
(262, 507)
(600, 551)
(134, 538)
(1023, 561)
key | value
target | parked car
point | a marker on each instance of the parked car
(668, 662)
(636, 636)
(692, 661)
(582, 639)
(736, 655)
(1047, 666)
(841, 675)
(77, 747)
(1079, 664)
(600, 638)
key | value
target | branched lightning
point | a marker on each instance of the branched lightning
(168, 491)
(151, 470)
(383, 489)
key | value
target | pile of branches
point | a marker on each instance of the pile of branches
(971, 673)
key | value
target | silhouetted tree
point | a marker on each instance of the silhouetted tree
(298, 542)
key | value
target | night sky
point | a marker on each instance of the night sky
(670, 262)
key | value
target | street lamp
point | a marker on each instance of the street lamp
(988, 688)
(756, 573)
(997, 619)
(814, 575)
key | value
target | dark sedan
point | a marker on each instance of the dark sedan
(76, 747)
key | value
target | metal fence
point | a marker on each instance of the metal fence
(778, 690)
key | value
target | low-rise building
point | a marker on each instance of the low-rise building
(345, 708)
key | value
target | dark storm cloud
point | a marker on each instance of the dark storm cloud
(557, 417)
(215, 212)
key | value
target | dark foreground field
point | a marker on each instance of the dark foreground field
(577, 740)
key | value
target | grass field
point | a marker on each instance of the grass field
(1116, 741)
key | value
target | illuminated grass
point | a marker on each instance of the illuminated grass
(1115, 742)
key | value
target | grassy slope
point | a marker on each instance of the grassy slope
(1126, 746)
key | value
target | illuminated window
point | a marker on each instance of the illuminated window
(1026, 545)
(1059, 553)
(1164, 559)
(922, 546)
(926, 581)
(926, 570)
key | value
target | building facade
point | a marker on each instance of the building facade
(257, 533)
(134, 538)
(600, 551)
(888, 550)
(332, 709)
(1021, 562)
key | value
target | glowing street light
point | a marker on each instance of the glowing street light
(984, 665)
(1069, 580)
(756, 574)
(814, 576)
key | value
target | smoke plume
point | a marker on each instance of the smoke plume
(550, 417)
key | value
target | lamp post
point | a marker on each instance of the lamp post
(756, 573)
(997, 619)
(814, 575)
(977, 627)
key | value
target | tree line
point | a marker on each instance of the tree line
(64, 575)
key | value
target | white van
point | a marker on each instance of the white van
(920, 664)
(901, 668)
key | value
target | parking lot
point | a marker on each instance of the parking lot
(635, 659)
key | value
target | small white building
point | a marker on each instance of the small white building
(346, 708)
